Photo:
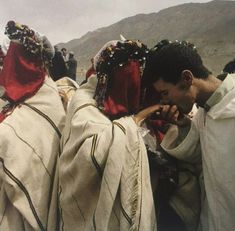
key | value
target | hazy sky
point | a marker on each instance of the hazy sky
(63, 20)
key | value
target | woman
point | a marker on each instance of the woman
(104, 173)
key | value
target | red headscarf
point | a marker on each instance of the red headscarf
(118, 65)
(22, 74)
(123, 95)
(23, 70)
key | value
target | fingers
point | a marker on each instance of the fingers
(148, 111)
(172, 114)
(145, 113)
(169, 112)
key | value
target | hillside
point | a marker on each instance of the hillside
(210, 26)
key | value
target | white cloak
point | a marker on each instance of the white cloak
(104, 172)
(212, 133)
(29, 149)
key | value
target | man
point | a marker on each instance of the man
(176, 71)
(72, 66)
(58, 67)
(229, 67)
(64, 54)
(30, 126)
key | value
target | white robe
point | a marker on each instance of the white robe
(29, 149)
(104, 172)
(212, 133)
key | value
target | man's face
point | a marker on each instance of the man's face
(179, 94)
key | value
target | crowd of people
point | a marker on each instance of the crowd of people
(122, 151)
(63, 64)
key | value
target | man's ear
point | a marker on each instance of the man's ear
(186, 78)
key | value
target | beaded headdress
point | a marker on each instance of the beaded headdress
(32, 41)
(113, 56)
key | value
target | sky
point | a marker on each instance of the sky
(64, 20)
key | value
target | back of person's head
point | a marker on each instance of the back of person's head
(168, 59)
(56, 48)
(229, 67)
(63, 50)
(71, 54)
(27, 56)
(119, 66)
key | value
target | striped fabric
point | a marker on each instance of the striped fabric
(104, 173)
(29, 149)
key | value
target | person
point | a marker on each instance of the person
(58, 67)
(229, 67)
(31, 123)
(72, 66)
(67, 88)
(91, 70)
(104, 172)
(65, 54)
(176, 70)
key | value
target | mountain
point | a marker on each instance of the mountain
(210, 26)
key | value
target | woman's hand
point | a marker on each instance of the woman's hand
(64, 99)
(169, 113)
(147, 112)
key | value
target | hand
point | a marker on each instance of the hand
(64, 99)
(169, 113)
(145, 113)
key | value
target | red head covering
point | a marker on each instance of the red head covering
(23, 70)
(22, 74)
(123, 95)
(118, 65)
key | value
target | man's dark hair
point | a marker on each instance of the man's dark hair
(230, 67)
(168, 60)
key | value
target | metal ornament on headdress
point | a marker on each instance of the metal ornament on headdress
(122, 37)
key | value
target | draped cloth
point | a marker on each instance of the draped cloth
(104, 172)
(211, 135)
(29, 150)
(22, 75)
